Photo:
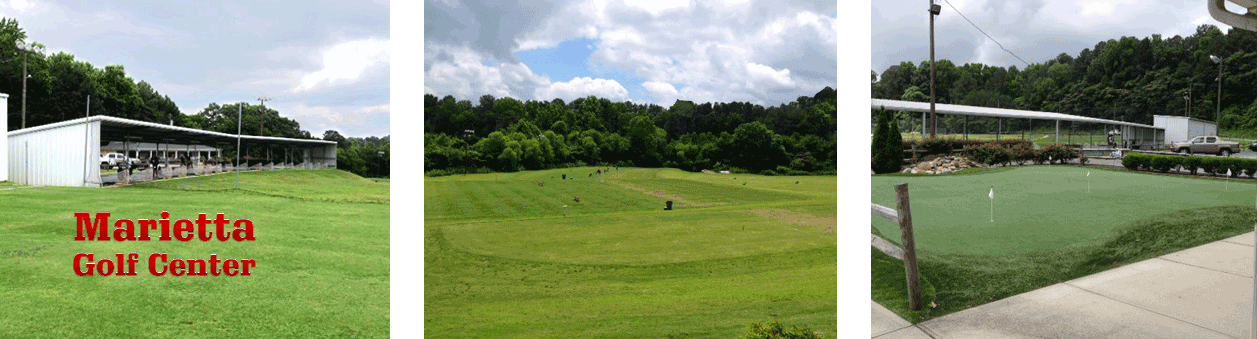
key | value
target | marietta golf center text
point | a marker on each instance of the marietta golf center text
(158, 264)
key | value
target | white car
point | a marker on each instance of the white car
(111, 160)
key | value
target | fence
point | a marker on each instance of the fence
(903, 216)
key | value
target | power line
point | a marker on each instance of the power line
(988, 36)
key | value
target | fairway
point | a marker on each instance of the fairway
(504, 258)
(322, 261)
(1042, 207)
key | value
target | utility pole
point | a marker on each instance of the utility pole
(26, 47)
(262, 113)
(934, 9)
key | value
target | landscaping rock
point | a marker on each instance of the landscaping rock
(941, 165)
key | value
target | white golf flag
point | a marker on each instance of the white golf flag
(992, 195)
(1228, 172)
(1088, 173)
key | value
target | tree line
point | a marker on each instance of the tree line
(1128, 79)
(505, 134)
(59, 86)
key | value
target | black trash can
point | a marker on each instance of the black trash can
(669, 206)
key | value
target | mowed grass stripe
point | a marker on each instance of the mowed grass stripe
(470, 295)
(636, 238)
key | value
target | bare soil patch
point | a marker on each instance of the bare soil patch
(827, 225)
(674, 198)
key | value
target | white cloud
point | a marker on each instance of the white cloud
(20, 5)
(458, 71)
(346, 61)
(351, 121)
(663, 93)
(655, 7)
(583, 87)
(760, 73)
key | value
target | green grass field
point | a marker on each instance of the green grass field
(1047, 228)
(322, 266)
(503, 258)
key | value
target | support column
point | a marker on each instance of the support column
(999, 128)
(1058, 133)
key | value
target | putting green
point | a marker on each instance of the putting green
(1042, 207)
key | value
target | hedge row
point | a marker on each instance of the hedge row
(1209, 165)
(946, 145)
(991, 153)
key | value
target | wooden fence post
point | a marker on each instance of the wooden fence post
(909, 246)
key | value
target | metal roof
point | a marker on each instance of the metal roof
(114, 128)
(912, 106)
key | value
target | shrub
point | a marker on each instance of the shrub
(773, 329)
(1234, 165)
(887, 158)
(1250, 167)
(768, 173)
(1059, 154)
(1131, 161)
(1191, 163)
(1210, 164)
(1022, 154)
(1161, 163)
(988, 154)
(940, 146)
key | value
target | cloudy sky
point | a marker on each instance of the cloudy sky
(1035, 30)
(325, 64)
(765, 52)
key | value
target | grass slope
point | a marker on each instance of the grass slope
(1088, 234)
(617, 266)
(322, 267)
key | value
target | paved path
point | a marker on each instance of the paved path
(1201, 292)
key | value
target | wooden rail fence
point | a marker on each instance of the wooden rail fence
(903, 216)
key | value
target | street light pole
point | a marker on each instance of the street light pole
(1217, 114)
(262, 113)
(934, 10)
(26, 47)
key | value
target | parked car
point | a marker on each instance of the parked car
(1207, 144)
(111, 160)
(1253, 146)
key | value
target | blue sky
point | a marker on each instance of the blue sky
(764, 52)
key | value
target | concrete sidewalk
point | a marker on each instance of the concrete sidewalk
(1201, 292)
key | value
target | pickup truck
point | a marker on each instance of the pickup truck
(1206, 144)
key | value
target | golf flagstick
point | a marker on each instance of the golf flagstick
(1088, 181)
(992, 196)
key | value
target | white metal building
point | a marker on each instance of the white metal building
(68, 153)
(4, 142)
(1183, 128)
(1133, 135)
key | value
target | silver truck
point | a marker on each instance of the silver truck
(1207, 144)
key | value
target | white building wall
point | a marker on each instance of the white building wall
(4, 142)
(61, 156)
(1183, 128)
